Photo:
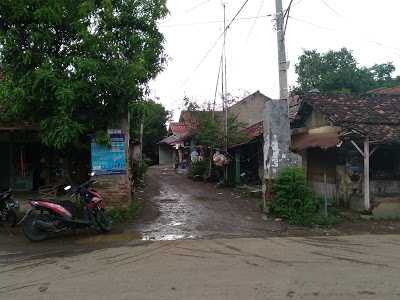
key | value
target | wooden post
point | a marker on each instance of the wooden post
(366, 174)
(325, 192)
(237, 168)
(128, 160)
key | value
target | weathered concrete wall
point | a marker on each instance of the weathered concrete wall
(250, 110)
(319, 189)
(316, 120)
(165, 155)
(389, 187)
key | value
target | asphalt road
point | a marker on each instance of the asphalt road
(349, 267)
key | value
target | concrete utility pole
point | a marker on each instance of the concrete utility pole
(276, 120)
(283, 80)
(367, 155)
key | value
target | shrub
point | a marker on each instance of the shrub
(138, 172)
(199, 169)
(293, 199)
(122, 215)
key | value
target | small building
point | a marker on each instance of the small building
(170, 148)
(250, 110)
(350, 146)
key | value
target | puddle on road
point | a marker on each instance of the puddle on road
(167, 237)
(176, 223)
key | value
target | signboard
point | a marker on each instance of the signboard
(109, 160)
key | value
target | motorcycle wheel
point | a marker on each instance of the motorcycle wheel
(103, 222)
(33, 233)
(11, 218)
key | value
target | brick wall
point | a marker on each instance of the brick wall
(114, 189)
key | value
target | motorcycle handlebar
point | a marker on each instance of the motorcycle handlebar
(79, 189)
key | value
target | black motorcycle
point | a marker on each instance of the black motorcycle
(8, 209)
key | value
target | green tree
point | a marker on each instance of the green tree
(155, 118)
(293, 199)
(211, 132)
(338, 71)
(72, 66)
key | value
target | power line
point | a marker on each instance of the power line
(216, 86)
(197, 6)
(331, 8)
(214, 22)
(286, 15)
(217, 40)
(297, 3)
(310, 23)
(397, 50)
(255, 21)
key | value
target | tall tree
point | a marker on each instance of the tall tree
(211, 132)
(154, 117)
(72, 66)
(338, 71)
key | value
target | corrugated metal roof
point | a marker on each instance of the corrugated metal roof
(171, 140)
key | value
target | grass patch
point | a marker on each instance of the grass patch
(126, 214)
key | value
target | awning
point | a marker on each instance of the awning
(322, 137)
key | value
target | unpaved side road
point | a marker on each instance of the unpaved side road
(348, 267)
(179, 208)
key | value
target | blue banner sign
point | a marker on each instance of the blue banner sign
(109, 160)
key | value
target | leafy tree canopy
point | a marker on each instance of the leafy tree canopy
(211, 132)
(155, 117)
(338, 71)
(211, 125)
(72, 66)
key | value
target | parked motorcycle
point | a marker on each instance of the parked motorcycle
(49, 217)
(8, 208)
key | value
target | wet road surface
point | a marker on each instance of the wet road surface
(349, 267)
(179, 208)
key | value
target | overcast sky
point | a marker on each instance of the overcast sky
(368, 27)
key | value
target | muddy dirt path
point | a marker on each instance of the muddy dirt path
(179, 208)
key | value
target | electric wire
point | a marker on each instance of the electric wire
(387, 47)
(217, 40)
(213, 22)
(331, 8)
(253, 25)
(197, 6)
(216, 86)
(286, 15)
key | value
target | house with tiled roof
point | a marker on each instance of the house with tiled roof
(350, 146)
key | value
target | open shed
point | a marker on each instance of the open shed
(350, 146)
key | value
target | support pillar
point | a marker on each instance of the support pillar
(366, 174)
(237, 168)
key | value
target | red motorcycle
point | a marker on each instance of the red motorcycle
(47, 217)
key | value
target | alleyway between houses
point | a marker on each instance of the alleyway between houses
(179, 208)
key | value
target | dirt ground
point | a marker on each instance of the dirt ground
(195, 241)
(178, 208)
(332, 268)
